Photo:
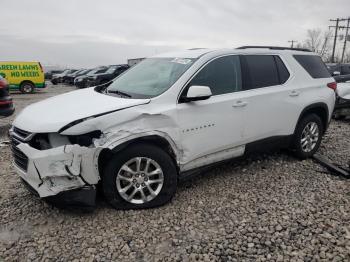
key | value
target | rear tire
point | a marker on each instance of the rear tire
(157, 182)
(27, 88)
(307, 137)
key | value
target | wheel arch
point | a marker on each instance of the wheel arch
(26, 81)
(155, 139)
(320, 109)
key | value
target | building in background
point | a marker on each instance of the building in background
(134, 61)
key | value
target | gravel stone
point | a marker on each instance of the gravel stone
(268, 207)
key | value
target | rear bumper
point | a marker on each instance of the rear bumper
(342, 107)
(6, 107)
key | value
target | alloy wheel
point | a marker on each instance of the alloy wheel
(139, 180)
(27, 88)
(309, 137)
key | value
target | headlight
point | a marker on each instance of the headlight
(94, 78)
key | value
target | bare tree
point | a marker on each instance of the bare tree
(319, 42)
(347, 57)
(314, 40)
(325, 45)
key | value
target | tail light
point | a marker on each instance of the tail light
(3, 83)
(332, 85)
(6, 102)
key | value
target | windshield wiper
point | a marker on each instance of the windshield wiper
(118, 93)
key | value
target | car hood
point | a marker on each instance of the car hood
(52, 114)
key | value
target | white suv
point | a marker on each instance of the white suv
(167, 116)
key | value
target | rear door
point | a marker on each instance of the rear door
(270, 110)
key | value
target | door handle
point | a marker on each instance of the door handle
(240, 103)
(294, 93)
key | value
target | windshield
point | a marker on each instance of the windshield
(97, 70)
(83, 72)
(111, 69)
(151, 77)
(76, 72)
(65, 72)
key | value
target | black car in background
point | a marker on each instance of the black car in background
(6, 104)
(69, 79)
(70, 75)
(58, 78)
(49, 74)
(340, 72)
(81, 81)
(101, 78)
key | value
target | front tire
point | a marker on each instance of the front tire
(141, 176)
(308, 136)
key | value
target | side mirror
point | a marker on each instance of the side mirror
(196, 93)
(336, 73)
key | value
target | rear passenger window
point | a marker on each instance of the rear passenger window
(313, 65)
(223, 75)
(259, 71)
(282, 70)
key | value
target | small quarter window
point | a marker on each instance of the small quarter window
(313, 65)
(282, 70)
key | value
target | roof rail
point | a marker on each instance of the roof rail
(196, 48)
(275, 48)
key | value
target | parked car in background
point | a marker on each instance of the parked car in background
(340, 72)
(101, 78)
(70, 78)
(342, 104)
(23, 76)
(49, 74)
(6, 105)
(58, 78)
(168, 116)
(81, 81)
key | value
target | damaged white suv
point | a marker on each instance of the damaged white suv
(167, 116)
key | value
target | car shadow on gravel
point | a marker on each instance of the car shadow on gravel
(202, 176)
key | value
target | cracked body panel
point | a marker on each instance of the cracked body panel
(59, 169)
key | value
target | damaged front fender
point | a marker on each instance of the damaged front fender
(59, 169)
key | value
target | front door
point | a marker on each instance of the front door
(212, 130)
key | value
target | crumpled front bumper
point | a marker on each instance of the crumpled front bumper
(57, 170)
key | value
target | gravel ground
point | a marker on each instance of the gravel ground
(270, 207)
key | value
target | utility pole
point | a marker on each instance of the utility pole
(292, 41)
(345, 40)
(336, 34)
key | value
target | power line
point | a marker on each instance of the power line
(345, 40)
(336, 34)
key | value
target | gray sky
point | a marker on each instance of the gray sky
(84, 33)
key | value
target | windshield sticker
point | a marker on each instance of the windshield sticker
(182, 61)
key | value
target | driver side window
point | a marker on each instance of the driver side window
(222, 75)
